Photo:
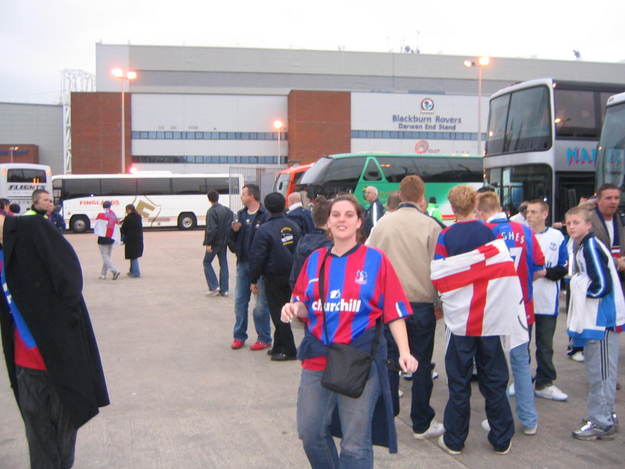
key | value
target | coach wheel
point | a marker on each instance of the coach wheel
(79, 224)
(186, 221)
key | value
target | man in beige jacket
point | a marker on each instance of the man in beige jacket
(408, 237)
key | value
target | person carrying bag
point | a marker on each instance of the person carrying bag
(344, 293)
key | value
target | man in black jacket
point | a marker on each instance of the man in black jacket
(50, 350)
(218, 221)
(272, 257)
(244, 227)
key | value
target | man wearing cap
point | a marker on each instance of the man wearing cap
(272, 256)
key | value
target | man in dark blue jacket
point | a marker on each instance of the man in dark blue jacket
(218, 221)
(299, 214)
(244, 228)
(272, 257)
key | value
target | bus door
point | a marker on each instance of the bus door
(570, 187)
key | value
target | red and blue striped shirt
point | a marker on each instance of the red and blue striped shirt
(360, 286)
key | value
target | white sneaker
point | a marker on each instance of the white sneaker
(577, 356)
(400, 393)
(510, 391)
(435, 429)
(444, 447)
(551, 392)
(102, 277)
(434, 375)
(530, 431)
(485, 425)
(212, 293)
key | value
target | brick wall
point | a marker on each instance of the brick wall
(25, 153)
(319, 124)
(96, 132)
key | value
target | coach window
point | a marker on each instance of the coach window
(74, 188)
(154, 186)
(395, 169)
(189, 186)
(218, 184)
(119, 186)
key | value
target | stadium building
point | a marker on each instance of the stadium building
(209, 109)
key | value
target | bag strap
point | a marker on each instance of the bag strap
(378, 323)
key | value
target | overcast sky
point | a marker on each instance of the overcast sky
(40, 38)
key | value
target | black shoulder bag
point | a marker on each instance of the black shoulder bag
(347, 368)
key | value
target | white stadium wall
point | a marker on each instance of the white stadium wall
(235, 128)
(416, 123)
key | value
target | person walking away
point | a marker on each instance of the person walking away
(373, 212)
(106, 228)
(299, 214)
(50, 350)
(528, 260)
(132, 235)
(596, 315)
(272, 257)
(42, 203)
(361, 288)
(218, 222)
(546, 297)
(408, 237)
(244, 227)
(318, 238)
(392, 201)
(467, 343)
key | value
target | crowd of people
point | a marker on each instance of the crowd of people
(369, 284)
(378, 278)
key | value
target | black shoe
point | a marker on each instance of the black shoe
(282, 357)
(270, 352)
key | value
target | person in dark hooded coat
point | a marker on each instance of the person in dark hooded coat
(49, 346)
(132, 236)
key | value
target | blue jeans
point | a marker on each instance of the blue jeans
(315, 407)
(134, 268)
(209, 273)
(523, 388)
(241, 302)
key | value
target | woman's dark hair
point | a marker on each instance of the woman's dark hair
(131, 207)
(4, 203)
(360, 213)
(15, 208)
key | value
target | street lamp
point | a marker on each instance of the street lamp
(11, 150)
(480, 63)
(278, 124)
(126, 76)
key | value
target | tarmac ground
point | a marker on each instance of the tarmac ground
(181, 398)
